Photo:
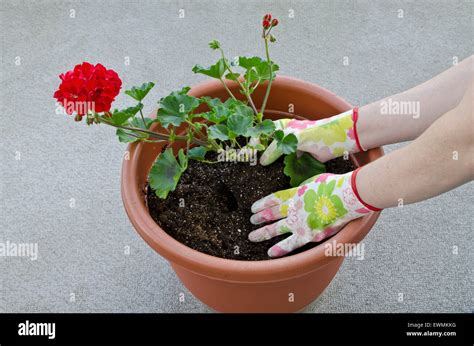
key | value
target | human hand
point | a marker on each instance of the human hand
(325, 139)
(313, 211)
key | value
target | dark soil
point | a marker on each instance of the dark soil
(210, 209)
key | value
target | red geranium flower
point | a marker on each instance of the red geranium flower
(88, 88)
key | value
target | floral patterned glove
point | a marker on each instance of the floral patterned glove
(315, 210)
(325, 139)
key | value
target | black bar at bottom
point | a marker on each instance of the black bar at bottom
(311, 329)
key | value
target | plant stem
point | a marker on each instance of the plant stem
(235, 143)
(216, 145)
(144, 139)
(267, 93)
(158, 135)
(256, 85)
(227, 89)
(189, 140)
(207, 161)
(199, 134)
(143, 119)
(249, 98)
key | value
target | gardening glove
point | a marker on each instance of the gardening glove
(313, 211)
(325, 139)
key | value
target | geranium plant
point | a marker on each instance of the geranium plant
(88, 91)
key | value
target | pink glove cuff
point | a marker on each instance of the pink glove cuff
(355, 117)
(354, 188)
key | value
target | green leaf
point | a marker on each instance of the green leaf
(239, 124)
(301, 168)
(257, 68)
(262, 71)
(139, 93)
(232, 76)
(248, 63)
(119, 117)
(211, 102)
(199, 126)
(183, 159)
(279, 135)
(218, 131)
(175, 108)
(124, 135)
(288, 143)
(138, 122)
(232, 103)
(217, 116)
(242, 110)
(165, 173)
(215, 71)
(232, 135)
(183, 91)
(219, 111)
(266, 127)
(197, 153)
(214, 44)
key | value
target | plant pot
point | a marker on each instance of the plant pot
(286, 284)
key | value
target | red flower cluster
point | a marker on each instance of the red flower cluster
(268, 22)
(88, 88)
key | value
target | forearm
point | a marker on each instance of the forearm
(406, 115)
(439, 160)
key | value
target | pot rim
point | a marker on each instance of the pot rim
(229, 269)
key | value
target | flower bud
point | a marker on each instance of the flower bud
(272, 38)
(274, 22)
(266, 24)
(268, 17)
(78, 117)
(89, 120)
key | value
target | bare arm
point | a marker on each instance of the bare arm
(381, 123)
(394, 119)
(441, 159)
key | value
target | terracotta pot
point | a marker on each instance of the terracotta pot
(247, 286)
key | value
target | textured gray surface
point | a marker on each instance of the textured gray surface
(82, 249)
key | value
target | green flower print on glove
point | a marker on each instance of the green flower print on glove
(315, 210)
(322, 206)
(325, 139)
